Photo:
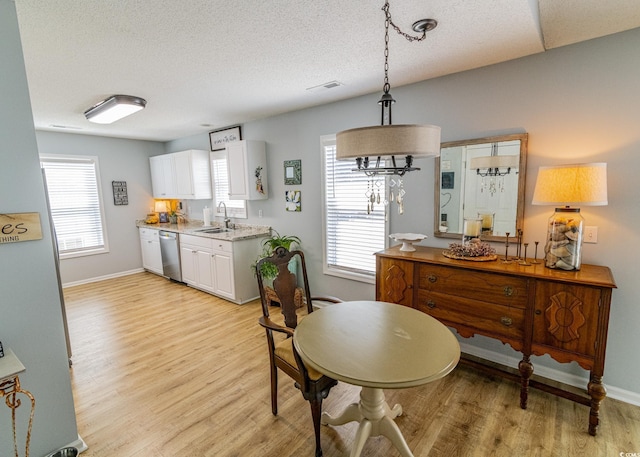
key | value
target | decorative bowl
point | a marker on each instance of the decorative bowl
(407, 240)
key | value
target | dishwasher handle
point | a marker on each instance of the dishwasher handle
(167, 235)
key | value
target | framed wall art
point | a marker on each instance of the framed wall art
(293, 172)
(294, 200)
(120, 196)
(447, 179)
(218, 138)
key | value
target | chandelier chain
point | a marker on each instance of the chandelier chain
(388, 21)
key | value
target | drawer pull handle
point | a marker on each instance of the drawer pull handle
(508, 291)
(431, 304)
(538, 312)
(432, 278)
(506, 321)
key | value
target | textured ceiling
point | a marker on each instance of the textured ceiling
(206, 64)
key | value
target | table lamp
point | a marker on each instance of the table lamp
(161, 209)
(578, 184)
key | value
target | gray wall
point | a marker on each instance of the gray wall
(120, 160)
(30, 310)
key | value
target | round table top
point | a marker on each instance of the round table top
(376, 344)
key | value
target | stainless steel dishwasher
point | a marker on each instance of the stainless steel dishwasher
(170, 250)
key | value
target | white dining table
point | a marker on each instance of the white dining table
(375, 345)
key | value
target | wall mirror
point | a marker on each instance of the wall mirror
(482, 179)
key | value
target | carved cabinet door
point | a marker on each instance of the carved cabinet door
(394, 281)
(566, 319)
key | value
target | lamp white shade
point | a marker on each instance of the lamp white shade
(161, 207)
(114, 108)
(508, 161)
(583, 184)
(389, 140)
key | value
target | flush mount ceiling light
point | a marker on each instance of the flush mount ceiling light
(114, 108)
(387, 141)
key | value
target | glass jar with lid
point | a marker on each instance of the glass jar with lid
(565, 230)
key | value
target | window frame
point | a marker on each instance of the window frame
(232, 211)
(334, 270)
(67, 159)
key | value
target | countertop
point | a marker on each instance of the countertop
(240, 232)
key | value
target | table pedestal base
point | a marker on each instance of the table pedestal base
(375, 417)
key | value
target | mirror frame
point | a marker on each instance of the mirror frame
(522, 173)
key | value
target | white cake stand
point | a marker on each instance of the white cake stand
(407, 240)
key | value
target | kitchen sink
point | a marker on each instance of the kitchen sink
(214, 230)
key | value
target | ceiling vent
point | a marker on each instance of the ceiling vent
(325, 86)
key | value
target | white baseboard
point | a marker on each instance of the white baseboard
(626, 396)
(102, 278)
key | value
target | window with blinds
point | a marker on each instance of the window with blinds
(220, 182)
(354, 228)
(75, 201)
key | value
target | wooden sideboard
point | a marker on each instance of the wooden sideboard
(534, 309)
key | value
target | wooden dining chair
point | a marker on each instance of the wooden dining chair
(287, 286)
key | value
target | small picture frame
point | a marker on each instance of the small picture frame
(120, 196)
(293, 172)
(218, 138)
(294, 200)
(447, 180)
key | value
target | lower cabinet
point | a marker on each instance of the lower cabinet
(220, 267)
(150, 245)
(197, 265)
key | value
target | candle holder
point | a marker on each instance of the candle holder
(523, 261)
(487, 222)
(506, 249)
(535, 253)
(471, 229)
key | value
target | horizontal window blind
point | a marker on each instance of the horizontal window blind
(235, 208)
(75, 203)
(353, 232)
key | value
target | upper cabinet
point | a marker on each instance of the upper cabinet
(181, 175)
(247, 165)
(163, 176)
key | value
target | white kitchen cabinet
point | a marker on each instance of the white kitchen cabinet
(247, 167)
(181, 175)
(223, 269)
(196, 258)
(220, 267)
(163, 176)
(150, 244)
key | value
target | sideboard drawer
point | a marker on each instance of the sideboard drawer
(486, 318)
(476, 285)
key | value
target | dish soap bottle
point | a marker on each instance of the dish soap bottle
(206, 215)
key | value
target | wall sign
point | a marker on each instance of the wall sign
(120, 196)
(18, 227)
(218, 138)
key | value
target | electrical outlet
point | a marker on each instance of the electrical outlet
(260, 214)
(590, 234)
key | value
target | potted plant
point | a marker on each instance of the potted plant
(269, 245)
(276, 240)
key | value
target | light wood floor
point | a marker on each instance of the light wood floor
(163, 370)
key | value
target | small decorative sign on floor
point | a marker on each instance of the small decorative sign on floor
(18, 227)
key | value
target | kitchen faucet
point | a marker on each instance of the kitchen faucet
(226, 219)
